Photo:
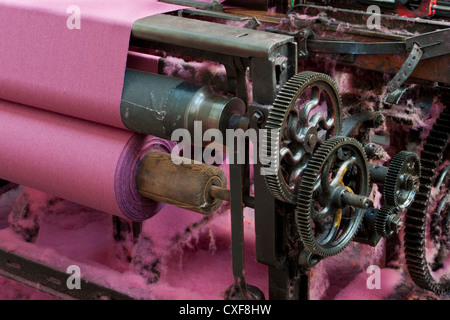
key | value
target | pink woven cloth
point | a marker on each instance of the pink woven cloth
(81, 161)
(69, 56)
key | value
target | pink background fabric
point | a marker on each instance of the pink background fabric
(76, 72)
(66, 157)
(77, 160)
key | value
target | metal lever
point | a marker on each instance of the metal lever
(239, 290)
(394, 89)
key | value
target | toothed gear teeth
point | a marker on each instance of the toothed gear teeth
(417, 214)
(382, 219)
(395, 194)
(285, 102)
(306, 197)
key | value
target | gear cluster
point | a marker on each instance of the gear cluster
(327, 177)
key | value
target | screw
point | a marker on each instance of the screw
(258, 116)
(356, 200)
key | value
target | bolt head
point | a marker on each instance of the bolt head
(257, 116)
(395, 223)
(312, 140)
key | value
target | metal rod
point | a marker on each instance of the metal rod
(441, 8)
(225, 194)
(356, 200)
(237, 222)
(438, 7)
(220, 193)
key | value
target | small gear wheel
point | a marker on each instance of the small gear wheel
(326, 221)
(306, 112)
(387, 221)
(402, 180)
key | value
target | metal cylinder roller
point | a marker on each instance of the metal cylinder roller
(157, 105)
(195, 187)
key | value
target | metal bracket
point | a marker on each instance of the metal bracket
(301, 37)
(432, 43)
(394, 91)
(350, 123)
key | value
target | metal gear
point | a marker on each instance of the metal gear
(307, 111)
(402, 180)
(326, 220)
(417, 214)
(387, 221)
(440, 219)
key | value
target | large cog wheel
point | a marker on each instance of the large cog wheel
(417, 218)
(326, 221)
(306, 112)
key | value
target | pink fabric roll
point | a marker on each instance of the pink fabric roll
(47, 62)
(81, 161)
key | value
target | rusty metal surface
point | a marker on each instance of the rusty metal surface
(431, 69)
(212, 37)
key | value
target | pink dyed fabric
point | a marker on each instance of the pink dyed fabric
(76, 72)
(143, 62)
(85, 162)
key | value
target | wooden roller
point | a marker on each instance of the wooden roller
(195, 187)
